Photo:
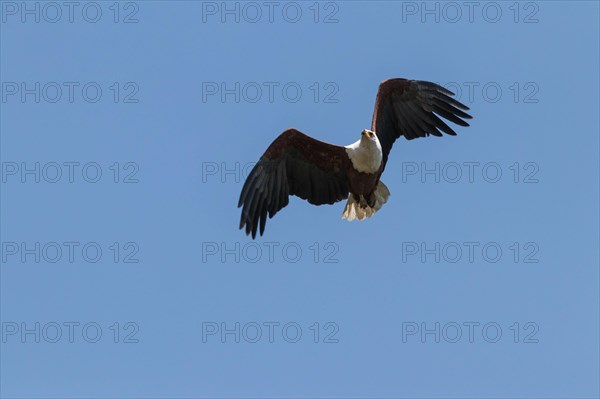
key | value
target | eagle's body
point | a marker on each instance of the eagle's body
(323, 173)
(368, 194)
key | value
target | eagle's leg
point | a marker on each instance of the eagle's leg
(363, 203)
(371, 199)
(360, 207)
(360, 200)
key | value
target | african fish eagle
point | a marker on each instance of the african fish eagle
(323, 173)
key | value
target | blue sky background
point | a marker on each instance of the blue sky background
(178, 212)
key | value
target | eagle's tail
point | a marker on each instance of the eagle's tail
(360, 209)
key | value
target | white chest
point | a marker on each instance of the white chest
(366, 155)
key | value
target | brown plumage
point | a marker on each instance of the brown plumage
(323, 173)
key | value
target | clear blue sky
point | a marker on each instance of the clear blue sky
(502, 270)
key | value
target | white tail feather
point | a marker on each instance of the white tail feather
(354, 210)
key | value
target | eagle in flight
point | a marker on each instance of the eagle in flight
(323, 173)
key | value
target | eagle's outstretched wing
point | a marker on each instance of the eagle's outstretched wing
(294, 164)
(408, 108)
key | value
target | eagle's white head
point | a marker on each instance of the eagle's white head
(366, 153)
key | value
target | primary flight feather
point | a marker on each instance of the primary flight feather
(322, 173)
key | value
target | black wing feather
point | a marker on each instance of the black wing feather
(294, 164)
(408, 108)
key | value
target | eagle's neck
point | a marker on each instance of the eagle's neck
(366, 155)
